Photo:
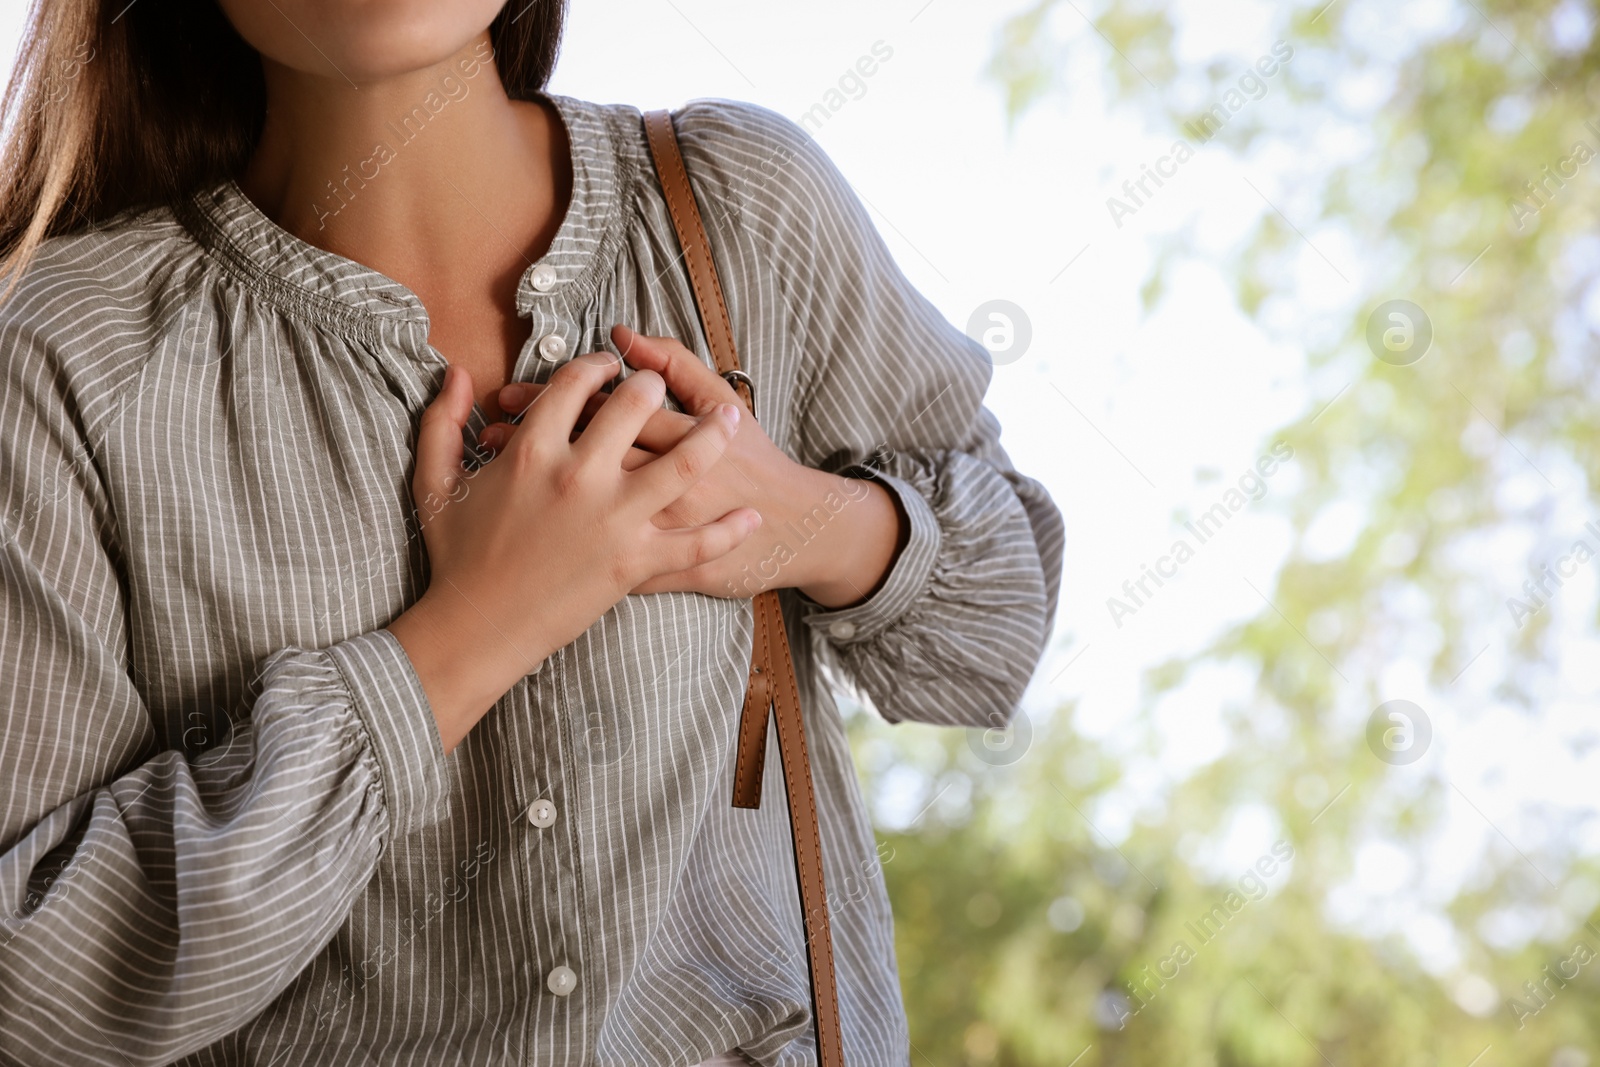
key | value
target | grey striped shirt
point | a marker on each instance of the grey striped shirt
(228, 833)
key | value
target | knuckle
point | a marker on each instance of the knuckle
(645, 380)
(620, 570)
(431, 415)
(570, 375)
(522, 455)
(703, 551)
(591, 366)
(638, 401)
(561, 382)
(567, 480)
(713, 546)
(688, 463)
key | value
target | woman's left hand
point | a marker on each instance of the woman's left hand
(833, 538)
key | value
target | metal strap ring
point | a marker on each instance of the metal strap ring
(736, 378)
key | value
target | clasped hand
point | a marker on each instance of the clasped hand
(831, 537)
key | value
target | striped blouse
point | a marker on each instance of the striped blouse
(228, 831)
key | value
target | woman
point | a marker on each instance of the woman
(328, 741)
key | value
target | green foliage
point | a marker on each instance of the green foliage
(1018, 922)
(1480, 439)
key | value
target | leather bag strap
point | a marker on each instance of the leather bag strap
(772, 688)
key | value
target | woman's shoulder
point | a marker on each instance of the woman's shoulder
(759, 166)
(83, 290)
(732, 128)
(767, 156)
(119, 267)
(738, 128)
(121, 263)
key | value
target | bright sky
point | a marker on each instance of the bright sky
(1129, 420)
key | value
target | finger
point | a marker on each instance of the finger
(664, 429)
(553, 413)
(666, 478)
(497, 435)
(439, 442)
(620, 417)
(695, 546)
(514, 397)
(697, 387)
(494, 436)
(592, 406)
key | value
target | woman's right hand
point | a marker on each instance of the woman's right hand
(529, 550)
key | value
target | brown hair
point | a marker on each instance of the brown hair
(115, 105)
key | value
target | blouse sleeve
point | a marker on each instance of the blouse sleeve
(892, 391)
(153, 900)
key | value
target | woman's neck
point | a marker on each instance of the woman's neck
(430, 176)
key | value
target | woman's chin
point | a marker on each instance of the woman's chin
(360, 41)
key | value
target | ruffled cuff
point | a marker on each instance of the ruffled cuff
(907, 578)
(400, 728)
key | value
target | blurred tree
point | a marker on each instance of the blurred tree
(1454, 150)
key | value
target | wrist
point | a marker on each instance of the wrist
(462, 670)
(851, 557)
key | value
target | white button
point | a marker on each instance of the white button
(544, 278)
(553, 346)
(843, 630)
(541, 813)
(562, 980)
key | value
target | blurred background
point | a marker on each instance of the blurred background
(1294, 308)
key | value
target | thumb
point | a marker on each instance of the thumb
(699, 389)
(439, 445)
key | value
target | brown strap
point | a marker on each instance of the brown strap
(696, 246)
(772, 680)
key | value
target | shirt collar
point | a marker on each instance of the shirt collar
(353, 297)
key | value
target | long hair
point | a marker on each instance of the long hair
(115, 105)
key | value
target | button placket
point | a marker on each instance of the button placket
(551, 847)
(547, 347)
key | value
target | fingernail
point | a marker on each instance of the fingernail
(730, 412)
(514, 393)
